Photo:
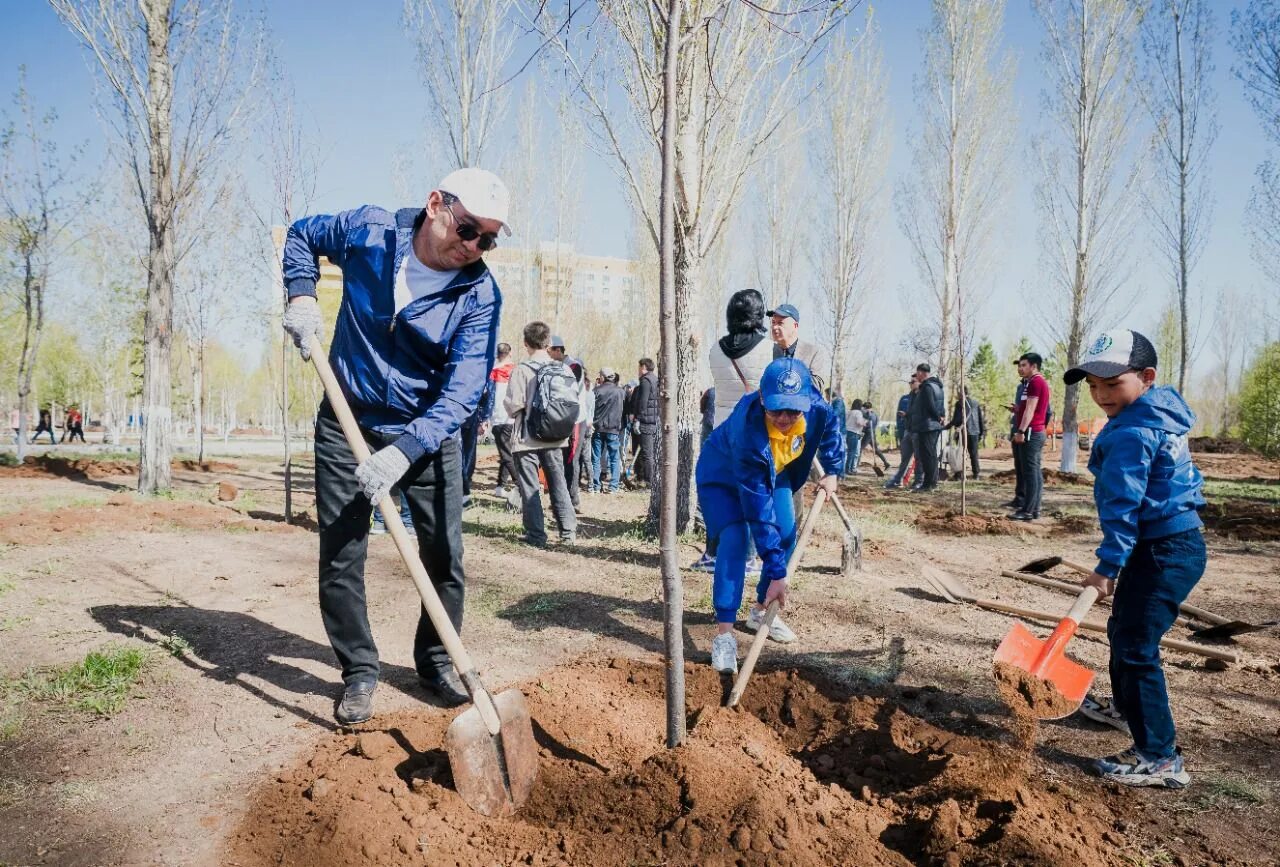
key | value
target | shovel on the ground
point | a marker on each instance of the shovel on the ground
(851, 543)
(490, 745)
(1044, 564)
(1233, 627)
(762, 634)
(1047, 660)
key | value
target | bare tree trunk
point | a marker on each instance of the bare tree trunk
(672, 585)
(284, 426)
(32, 331)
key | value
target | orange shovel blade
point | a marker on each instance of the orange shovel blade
(1046, 662)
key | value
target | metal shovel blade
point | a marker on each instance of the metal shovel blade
(1234, 627)
(1044, 661)
(494, 773)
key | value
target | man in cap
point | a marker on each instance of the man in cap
(412, 348)
(784, 327)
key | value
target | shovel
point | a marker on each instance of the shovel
(851, 544)
(1044, 564)
(749, 664)
(1046, 661)
(1233, 627)
(490, 745)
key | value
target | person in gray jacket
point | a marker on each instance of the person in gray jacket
(530, 453)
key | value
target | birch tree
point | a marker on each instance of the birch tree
(741, 75)
(1177, 36)
(959, 177)
(851, 161)
(41, 194)
(1255, 35)
(782, 194)
(175, 82)
(462, 47)
(1088, 186)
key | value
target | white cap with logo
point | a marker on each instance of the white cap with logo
(1111, 354)
(481, 192)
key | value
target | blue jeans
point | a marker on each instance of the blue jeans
(609, 445)
(1159, 576)
(404, 510)
(852, 447)
(731, 558)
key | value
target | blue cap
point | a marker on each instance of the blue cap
(786, 384)
(557, 342)
(786, 310)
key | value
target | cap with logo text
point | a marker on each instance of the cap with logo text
(786, 384)
(1111, 354)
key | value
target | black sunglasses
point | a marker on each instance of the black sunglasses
(470, 231)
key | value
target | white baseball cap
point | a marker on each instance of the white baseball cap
(1111, 354)
(481, 192)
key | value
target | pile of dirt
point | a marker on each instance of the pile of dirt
(1074, 525)
(1248, 520)
(124, 513)
(803, 774)
(46, 465)
(1219, 446)
(1051, 477)
(955, 524)
(1030, 696)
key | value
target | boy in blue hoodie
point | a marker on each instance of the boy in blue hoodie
(749, 469)
(1148, 494)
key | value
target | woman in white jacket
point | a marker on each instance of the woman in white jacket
(737, 361)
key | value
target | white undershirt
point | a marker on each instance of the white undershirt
(415, 280)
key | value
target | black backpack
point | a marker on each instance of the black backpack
(552, 402)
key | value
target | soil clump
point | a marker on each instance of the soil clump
(1246, 520)
(1051, 477)
(46, 465)
(1219, 446)
(955, 524)
(1028, 695)
(805, 773)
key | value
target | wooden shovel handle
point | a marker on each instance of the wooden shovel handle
(844, 516)
(1191, 610)
(762, 634)
(406, 546)
(1064, 586)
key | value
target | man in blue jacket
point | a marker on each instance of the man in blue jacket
(746, 475)
(412, 349)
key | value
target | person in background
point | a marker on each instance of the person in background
(645, 409)
(974, 424)
(74, 426)
(45, 425)
(872, 434)
(855, 427)
(839, 414)
(1019, 494)
(906, 440)
(606, 439)
(929, 414)
(500, 420)
(1031, 417)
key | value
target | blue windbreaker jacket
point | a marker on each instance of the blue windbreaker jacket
(418, 373)
(736, 478)
(1145, 485)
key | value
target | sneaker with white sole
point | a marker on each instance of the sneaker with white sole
(1129, 768)
(778, 631)
(754, 565)
(378, 529)
(724, 653)
(1103, 710)
(704, 564)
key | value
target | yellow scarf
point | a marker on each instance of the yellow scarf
(786, 447)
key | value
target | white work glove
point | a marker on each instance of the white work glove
(380, 473)
(301, 320)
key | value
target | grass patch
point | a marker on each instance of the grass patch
(175, 645)
(13, 622)
(1143, 856)
(535, 605)
(13, 792)
(101, 683)
(7, 585)
(1214, 792)
(1220, 489)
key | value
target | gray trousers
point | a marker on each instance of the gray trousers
(552, 463)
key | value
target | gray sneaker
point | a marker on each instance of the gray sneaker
(356, 705)
(778, 631)
(1103, 710)
(724, 653)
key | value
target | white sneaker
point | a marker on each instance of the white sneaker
(724, 653)
(778, 631)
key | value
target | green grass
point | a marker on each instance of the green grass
(174, 644)
(1219, 489)
(7, 585)
(1142, 856)
(1213, 792)
(101, 683)
(13, 622)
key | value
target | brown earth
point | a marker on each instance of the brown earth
(1051, 477)
(1246, 520)
(46, 465)
(1027, 695)
(974, 524)
(1219, 446)
(804, 774)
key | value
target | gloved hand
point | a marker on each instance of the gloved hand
(380, 472)
(301, 320)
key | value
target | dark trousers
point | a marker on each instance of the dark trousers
(506, 464)
(1157, 579)
(469, 434)
(1030, 476)
(906, 451)
(571, 455)
(1019, 491)
(927, 455)
(971, 441)
(42, 429)
(646, 463)
(433, 489)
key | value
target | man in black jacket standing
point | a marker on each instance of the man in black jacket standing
(969, 417)
(645, 409)
(928, 414)
(606, 441)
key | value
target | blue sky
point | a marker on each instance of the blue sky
(356, 76)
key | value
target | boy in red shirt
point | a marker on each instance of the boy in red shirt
(1029, 423)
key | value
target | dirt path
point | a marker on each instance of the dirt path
(215, 732)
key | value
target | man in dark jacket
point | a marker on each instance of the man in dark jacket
(412, 351)
(906, 439)
(606, 442)
(928, 414)
(645, 408)
(974, 424)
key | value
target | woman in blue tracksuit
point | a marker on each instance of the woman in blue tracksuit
(749, 468)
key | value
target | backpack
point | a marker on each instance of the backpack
(552, 402)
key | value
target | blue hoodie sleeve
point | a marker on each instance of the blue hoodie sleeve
(306, 241)
(471, 354)
(1119, 486)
